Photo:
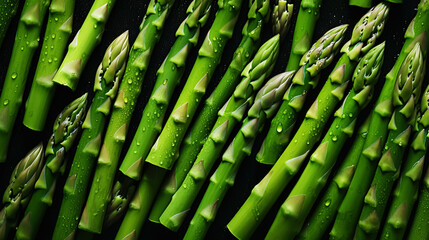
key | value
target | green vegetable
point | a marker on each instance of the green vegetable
(293, 212)
(166, 148)
(152, 177)
(58, 30)
(349, 211)
(419, 229)
(323, 214)
(405, 94)
(306, 22)
(150, 31)
(265, 193)
(25, 45)
(84, 43)
(168, 76)
(281, 17)
(107, 79)
(203, 124)
(406, 192)
(230, 115)
(266, 103)
(66, 129)
(8, 9)
(20, 188)
(361, 3)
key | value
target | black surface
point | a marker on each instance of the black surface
(127, 15)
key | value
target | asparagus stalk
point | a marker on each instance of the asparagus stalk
(58, 30)
(405, 94)
(418, 228)
(83, 44)
(166, 148)
(282, 126)
(350, 208)
(201, 127)
(266, 103)
(20, 188)
(406, 192)
(294, 210)
(361, 3)
(306, 21)
(323, 214)
(265, 193)
(107, 79)
(8, 9)
(26, 43)
(281, 17)
(66, 129)
(230, 115)
(208, 57)
(150, 31)
(168, 76)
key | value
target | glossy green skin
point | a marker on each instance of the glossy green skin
(74, 195)
(26, 44)
(168, 77)
(293, 212)
(185, 195)
(306, 21)
(418, 228)
(166, 149)
(99, 196)
(55, 42)
(349, 211)
(265, 193)
(283, 124)
(221, 181)
(59, 144)
(202, 126)
(407, 188)
(8, 9)
(361, 3)
(140, 205)
(323, 213)
(83, 44)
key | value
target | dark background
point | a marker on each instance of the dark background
(127, 15)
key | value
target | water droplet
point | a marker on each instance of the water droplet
(6, 102)
(279, 127)
(14, 75)
(334, 138)
(130, 81)
(125, 100)
(328, 202)
(53, 36)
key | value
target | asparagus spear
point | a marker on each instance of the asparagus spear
(348, 212)
(306, 21)
(294, 210)
(418, 228)
(58, 30)
(361, 3)
(26, 43)
(365, 33)
(83, 44)
(208, 57)
(20, 188)
(265, 193)
(230, 115)
(201, 127)
(123, 108)
(166, 148)
(168, 76)
(405, 94)
(323, 214)
(406, 192)
(266, 103)
(281, 17)
(8, 9)
(66, 129)
(107, 79)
